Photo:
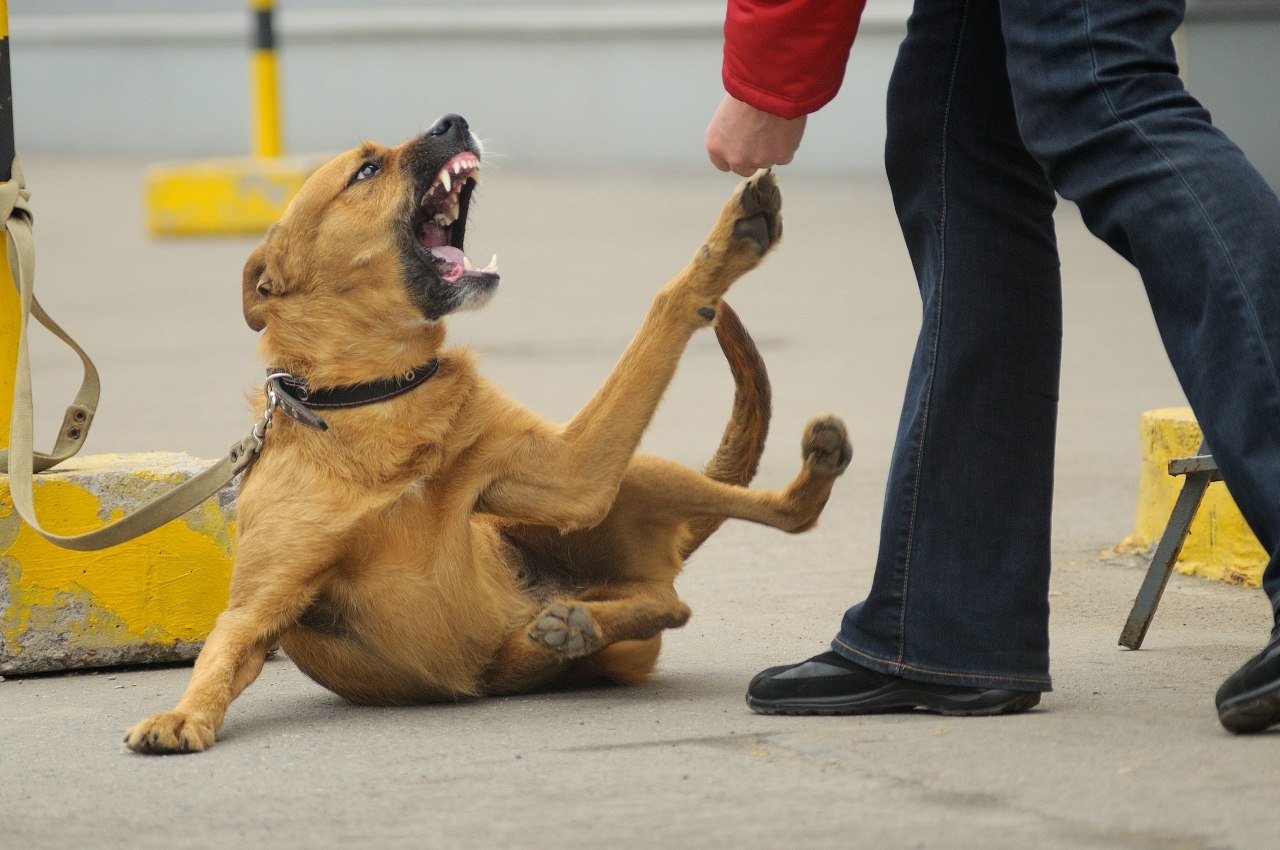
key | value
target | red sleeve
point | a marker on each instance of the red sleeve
(787, 57)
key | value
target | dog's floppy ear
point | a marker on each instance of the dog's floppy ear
(257, 285)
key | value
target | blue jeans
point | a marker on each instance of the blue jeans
(995, 106)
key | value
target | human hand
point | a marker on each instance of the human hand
(743, 139)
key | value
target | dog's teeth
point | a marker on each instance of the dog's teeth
(445, 181)
(457, 168)
(493, 265)
(466, 263)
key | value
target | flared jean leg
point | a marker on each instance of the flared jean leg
(960, 593)
(1101, 107)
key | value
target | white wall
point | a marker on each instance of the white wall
(592, 83)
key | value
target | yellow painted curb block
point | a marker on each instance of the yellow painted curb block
(223, 197)
(1220, 545)
(153, 599)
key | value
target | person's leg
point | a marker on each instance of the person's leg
(960, 595)
(1101, 107)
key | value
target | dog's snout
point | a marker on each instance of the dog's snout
(450, 124)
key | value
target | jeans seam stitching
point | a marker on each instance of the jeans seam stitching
(937, 332)
(901, 665)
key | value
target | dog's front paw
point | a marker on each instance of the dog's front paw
(826, 448)
(750, 224)
(566, 628)
(757, 221)
(169, 732)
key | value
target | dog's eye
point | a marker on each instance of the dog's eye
(364, 172)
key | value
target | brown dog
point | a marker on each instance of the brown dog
(442, 541)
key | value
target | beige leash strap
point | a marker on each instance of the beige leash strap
(14, 197)
(21, 462)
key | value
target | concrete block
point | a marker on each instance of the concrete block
(1220, 545)
(152, 599)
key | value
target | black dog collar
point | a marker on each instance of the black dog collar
(297, 400)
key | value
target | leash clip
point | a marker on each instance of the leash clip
(245, 453)
(259, 432)
(279, 395)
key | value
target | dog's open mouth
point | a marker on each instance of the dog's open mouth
(443, 221)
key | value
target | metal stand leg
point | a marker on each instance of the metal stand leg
(1200, 472)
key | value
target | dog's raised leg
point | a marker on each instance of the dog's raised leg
(663, 490)
(568, 479)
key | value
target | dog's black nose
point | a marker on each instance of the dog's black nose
(450, 124)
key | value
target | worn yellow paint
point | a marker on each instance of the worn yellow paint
(164, 588)
(1220, 545)
(228, 196)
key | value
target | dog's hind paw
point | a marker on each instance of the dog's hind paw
(169, 732)
(566, 628)
(826, 448)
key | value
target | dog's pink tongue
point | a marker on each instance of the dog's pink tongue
(449, 261)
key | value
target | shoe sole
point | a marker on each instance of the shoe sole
(1251, 712)
(981, 704)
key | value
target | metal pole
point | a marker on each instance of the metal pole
(6, 97)
(10, 308)
(262, 69)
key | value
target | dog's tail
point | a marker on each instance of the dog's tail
(738, 457)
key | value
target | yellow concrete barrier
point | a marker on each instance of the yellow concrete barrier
(227, 196)
(1220, 545)
(153, 599)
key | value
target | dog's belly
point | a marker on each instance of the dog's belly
(391, 629)
(359, 673)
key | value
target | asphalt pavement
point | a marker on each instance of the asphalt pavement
(1126, 752)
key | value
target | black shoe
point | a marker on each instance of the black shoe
(831, 684)
(1249, 700)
